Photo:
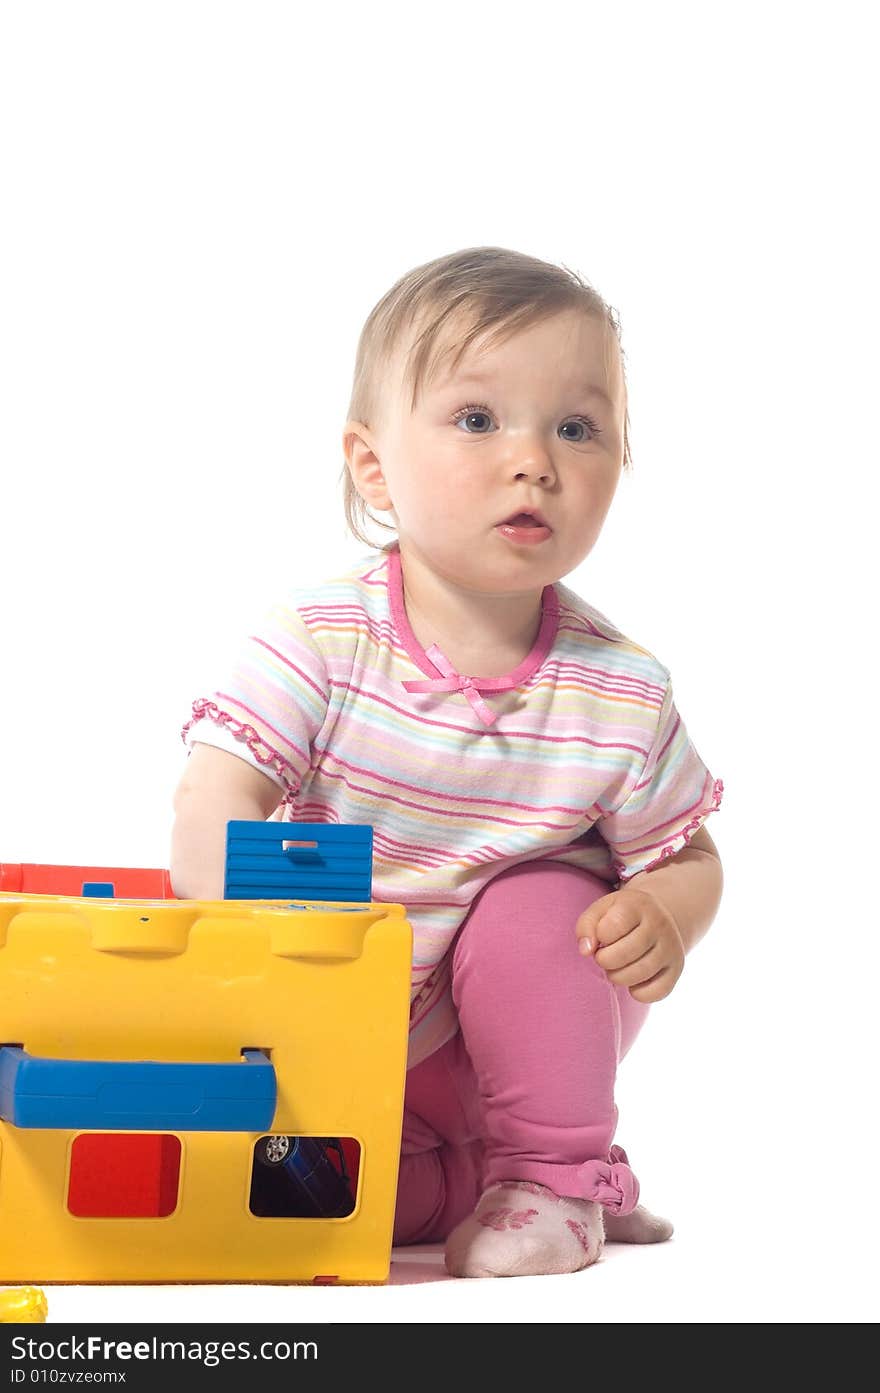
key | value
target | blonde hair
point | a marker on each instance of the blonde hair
(476, 290)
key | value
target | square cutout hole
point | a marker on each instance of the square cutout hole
(304, 1177)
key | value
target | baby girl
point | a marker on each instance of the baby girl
(536, 801)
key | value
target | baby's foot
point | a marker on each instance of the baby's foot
(641, 1226)
(522, 1229)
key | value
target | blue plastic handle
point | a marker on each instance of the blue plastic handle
(137, 1095)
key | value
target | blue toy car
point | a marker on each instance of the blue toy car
(313, 1186)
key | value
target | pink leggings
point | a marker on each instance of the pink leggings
(525, 1090)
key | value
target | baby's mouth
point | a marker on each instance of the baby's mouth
(525, 520)
(524, 530)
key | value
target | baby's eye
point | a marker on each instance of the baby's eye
(467, 413)
(582, 421)
(471, 412)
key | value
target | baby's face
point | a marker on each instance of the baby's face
(535, 423)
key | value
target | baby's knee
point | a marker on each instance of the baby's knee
(529, 909)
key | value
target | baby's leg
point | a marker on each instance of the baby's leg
(544, 1030)
(438, 1183)
(436, 1189)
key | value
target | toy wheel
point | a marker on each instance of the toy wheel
(274, 1150)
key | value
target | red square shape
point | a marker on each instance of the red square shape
(124, 1175)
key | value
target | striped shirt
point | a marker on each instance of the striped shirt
(579, 755)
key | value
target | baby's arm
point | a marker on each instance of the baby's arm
(216, 787)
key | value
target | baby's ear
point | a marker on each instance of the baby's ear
(364, 465)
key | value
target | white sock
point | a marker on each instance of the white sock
(641, 1226)
(522, 1229)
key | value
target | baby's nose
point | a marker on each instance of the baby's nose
(541, 471)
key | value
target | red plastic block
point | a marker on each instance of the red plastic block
(124, 1175)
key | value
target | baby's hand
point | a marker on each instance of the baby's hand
(635, 941)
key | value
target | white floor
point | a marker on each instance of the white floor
(758, 1268)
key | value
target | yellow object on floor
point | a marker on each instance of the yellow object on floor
(319, 990)
(23, 1306)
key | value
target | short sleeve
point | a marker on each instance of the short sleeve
(273, 699)
(208, 732)
(670, 798)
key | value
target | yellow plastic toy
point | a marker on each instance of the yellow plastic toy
(304, 1005)
(23, 1306)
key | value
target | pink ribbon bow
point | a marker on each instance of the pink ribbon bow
(453, 681)
(610, 1183)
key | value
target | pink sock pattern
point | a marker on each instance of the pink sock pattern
(581, 1234)
(501, 1219)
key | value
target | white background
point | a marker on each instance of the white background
(201, 204)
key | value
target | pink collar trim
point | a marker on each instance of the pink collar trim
(434, 661)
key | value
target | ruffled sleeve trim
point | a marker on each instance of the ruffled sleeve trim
(679, 841)
(262, 751)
